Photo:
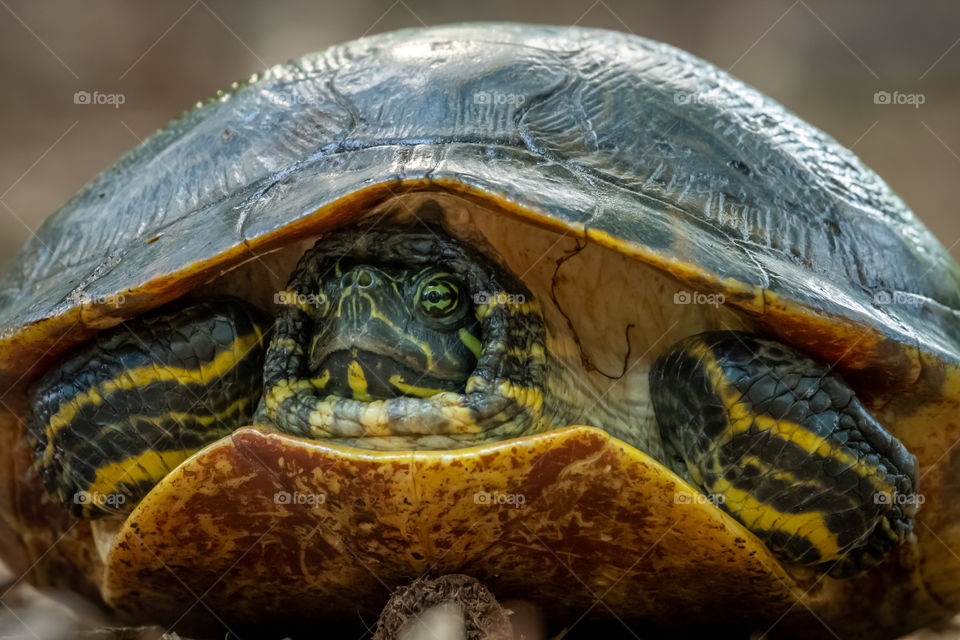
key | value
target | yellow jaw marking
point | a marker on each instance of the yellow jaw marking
(358, 382)
(321, 381)
(421, 392)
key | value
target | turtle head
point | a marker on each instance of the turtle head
(390, 331)
(406, 335)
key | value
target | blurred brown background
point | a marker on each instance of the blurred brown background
(824, 60)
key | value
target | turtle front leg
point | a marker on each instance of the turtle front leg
(113, 419)
(784, 446)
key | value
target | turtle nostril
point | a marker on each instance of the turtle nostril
(364, 279)
(361, 277)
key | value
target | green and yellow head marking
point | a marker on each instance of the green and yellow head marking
(419, 336)
(392, 331)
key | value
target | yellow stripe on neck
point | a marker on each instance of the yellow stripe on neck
(471, 342)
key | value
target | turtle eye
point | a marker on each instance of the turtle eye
(439, 296)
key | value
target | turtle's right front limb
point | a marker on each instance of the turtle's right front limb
(786, 447)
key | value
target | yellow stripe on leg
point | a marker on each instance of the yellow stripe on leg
(148, 467)
(129, 379)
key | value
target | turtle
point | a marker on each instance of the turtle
(565, 310)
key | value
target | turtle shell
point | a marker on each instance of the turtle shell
(623, 142)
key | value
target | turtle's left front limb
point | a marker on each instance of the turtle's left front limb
(786, 447)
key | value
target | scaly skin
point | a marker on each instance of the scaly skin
(115, 417)
(786, 447)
